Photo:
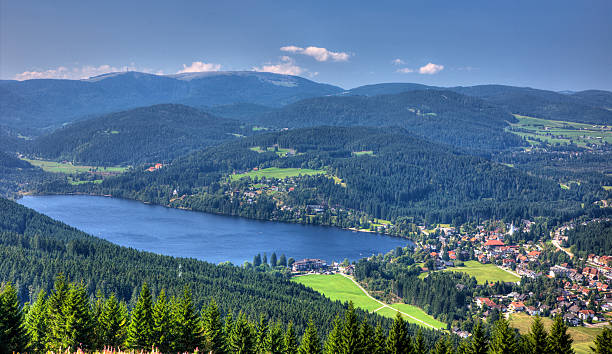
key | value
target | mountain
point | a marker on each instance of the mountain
(382, 173)
(33, 105)
(240, 111)
(441, 116)
(156, 133)
(584, 107)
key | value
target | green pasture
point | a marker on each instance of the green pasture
(278, 173)
(68, 168)
(485, 272)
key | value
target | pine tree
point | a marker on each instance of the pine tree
(290, 340)
(241, 339)
(603, 342)
(262, 332)
(478, 342)
(398, 341)
(334, 338)
(366, 338)
(188, 334)
(380, 346)
(311, 344)
(213, 328)
(273, 343)
(36, 323)
(559, 341)
(112, 324)
(163, 326)
(13, 333)
(443, 346)
(273, 260)
(538, 338)
(282, 261)
(350, 332)
(56, 318)
(140, 331)
(79, 321)
(264, 259)
(228, 327)
(419, 342)
(503, 339)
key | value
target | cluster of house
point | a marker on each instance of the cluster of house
(155, 167)
(310, 265)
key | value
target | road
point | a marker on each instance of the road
(383, 305)
(556, 243)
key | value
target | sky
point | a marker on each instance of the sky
(556, 45)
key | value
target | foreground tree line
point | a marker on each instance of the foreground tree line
(67, 320)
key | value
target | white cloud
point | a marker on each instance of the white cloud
(318, 53)
(286, 67)
(397, 61)
(198, 66)
(405, 70)
(77, 73)
(431, 69)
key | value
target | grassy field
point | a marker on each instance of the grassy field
(280, 173)
(485, 272)
(583, 337)
(279, 151)
(338, 287)
(554, 131)
(67, 168)
(365, 152)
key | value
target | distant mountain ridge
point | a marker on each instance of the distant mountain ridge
(48, 103)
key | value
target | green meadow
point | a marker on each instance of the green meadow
(68, 168)
(485, 272)
(561, 132)
(278, 173)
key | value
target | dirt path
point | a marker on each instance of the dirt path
(383, 305)
(558, 245)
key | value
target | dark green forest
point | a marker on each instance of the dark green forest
(593, 238)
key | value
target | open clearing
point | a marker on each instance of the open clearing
(279, 173)
(583, 337)
(485, 272)
(67, 168)
(561, 132)
(341, 288)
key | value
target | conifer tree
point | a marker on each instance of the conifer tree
(56, 317)
(273, 260)
(79, 321)
(228, 326)
(112, 324)
(419, 342)
(398, 341)
(241, 339)
(290, 340)
(188, 329)
(273, 343)
(140, 331)
(366, 338)
(538, 338)
(264, 259)
(36, 323)
(311, 344)
(559, 341)
(477, 344)
(350, 332)
(603, 342)
(13, 333)
(443, 346)
(334, 338)
(257, 260)
(503, 339)
(212, 328)
(379, 340)
(163, 325)
(262, 332)
(282, 261)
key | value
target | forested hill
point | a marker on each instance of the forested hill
(592, 238)
(143, 135)
(34, 249)
(384, 172)
(42, 104)
(441, 116)
(591, 106)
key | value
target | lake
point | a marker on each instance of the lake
(209, 237)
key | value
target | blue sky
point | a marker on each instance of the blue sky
(558, 45)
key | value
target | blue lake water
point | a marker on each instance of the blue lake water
(209, 237)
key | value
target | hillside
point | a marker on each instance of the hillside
(47, 103)
(382, 173)
(34, 249)
(590, 106)
(441, 116)
(152, 134)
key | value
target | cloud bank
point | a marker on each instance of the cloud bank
(77, 73)
(286, 67)
(198, 67)
(318, 53)
(431, 69)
